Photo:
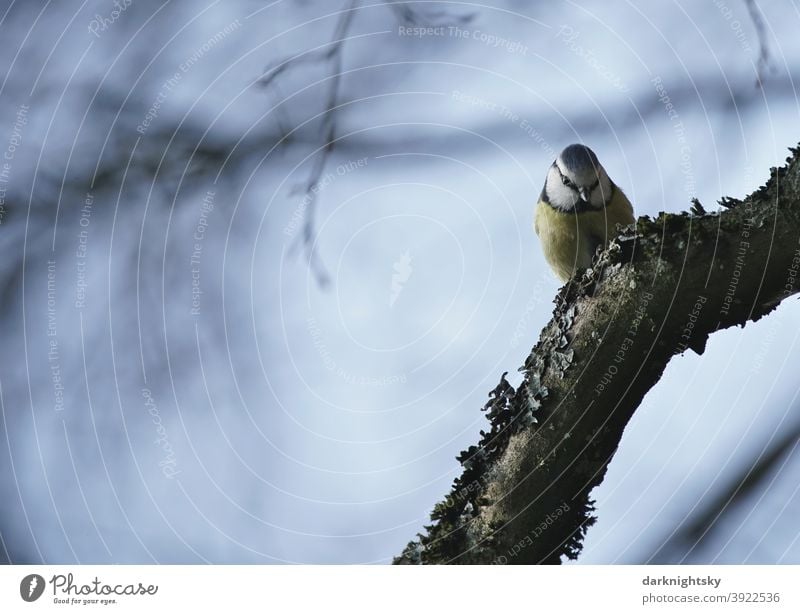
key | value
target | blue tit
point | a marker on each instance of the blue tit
(578, 210)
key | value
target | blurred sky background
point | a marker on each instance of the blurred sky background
(179, 385)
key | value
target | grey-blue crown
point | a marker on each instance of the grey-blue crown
(578, 157)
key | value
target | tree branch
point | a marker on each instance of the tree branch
(762, 65)
(332, 55)
(661, 288)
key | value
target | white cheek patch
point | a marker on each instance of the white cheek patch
(562, 197)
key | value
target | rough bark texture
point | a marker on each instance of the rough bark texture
(663, 287)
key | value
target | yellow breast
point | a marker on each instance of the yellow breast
(569, 240)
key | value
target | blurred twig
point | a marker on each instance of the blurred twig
(333, 56)
(762, 65)
(412, 16)
(696, 533)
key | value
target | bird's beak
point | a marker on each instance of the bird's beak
(584, 195)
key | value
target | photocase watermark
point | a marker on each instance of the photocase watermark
(102, 23)
(172, 82)
(209, 45)
(422, 31)
(402, 273)
(53, 355)
(535, 533)
(776, 320)
(82, 250)
(766, 340)
(457, 497)
(5, 176)
(735, 25)
(206, 207)
(738, 263)
(569, 36)
(686, 333)
(330, 364)
(507, 114)
(462, 497)
(299, 214)
(627, 344)
(490, 40)
(14, 142)
(792, 273)
(65, 591)
(155, 108)
(31, 587)
(680, 134)
(169, 463)
(540, 294)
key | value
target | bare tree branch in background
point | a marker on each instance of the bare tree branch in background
(332, 56)
(694, 534)
(412, 16)
(762, 64)
(661, 288)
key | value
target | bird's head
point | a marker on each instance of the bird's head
(577, 178)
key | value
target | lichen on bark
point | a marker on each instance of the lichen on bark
(660, 289)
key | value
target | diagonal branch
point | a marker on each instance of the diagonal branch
(663, 287)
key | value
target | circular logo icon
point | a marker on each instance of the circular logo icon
(31, 587)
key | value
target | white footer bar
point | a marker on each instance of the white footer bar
(385, 589)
